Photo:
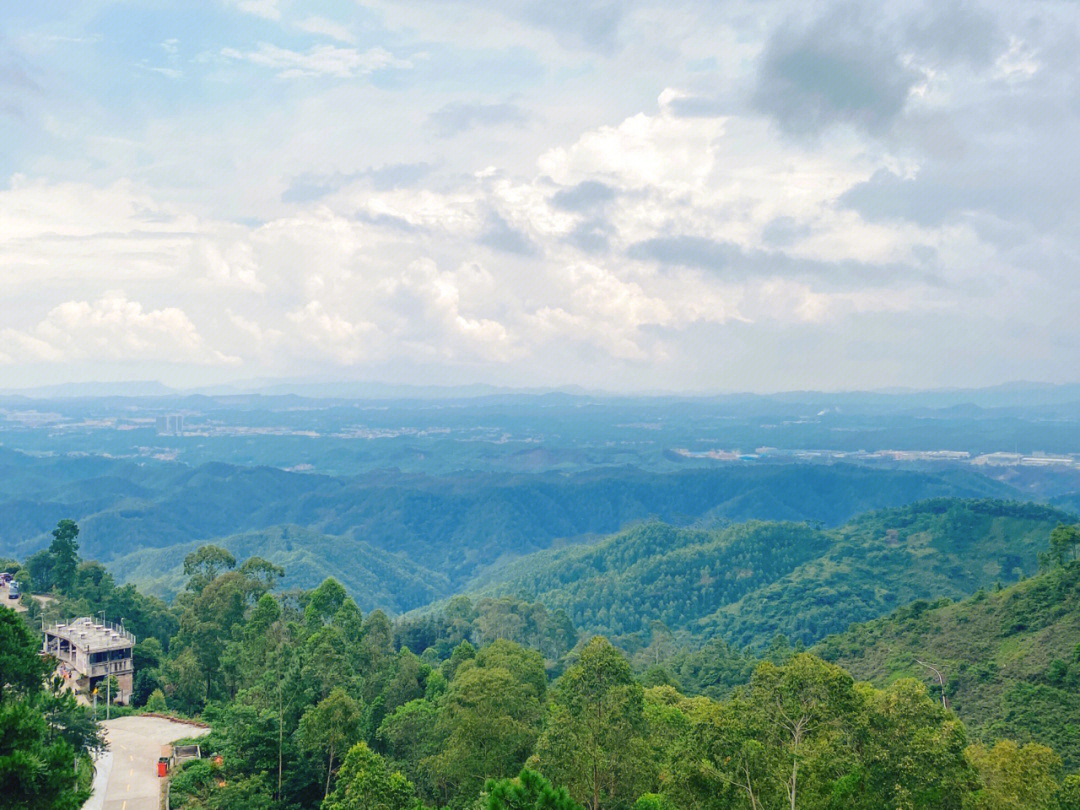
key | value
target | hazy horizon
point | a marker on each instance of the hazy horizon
(354, 389)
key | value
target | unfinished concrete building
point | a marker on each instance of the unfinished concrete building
(88, 652)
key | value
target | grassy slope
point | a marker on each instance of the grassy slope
(996, 651)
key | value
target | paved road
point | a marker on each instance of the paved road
(127, 774)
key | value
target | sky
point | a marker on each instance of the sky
(617, 194)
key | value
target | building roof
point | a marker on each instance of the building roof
(89, 635)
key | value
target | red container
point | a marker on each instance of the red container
(162, 766)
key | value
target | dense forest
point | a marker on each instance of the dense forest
(750, 581)
(503, 703)
(140, 518)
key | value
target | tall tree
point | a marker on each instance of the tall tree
(329, 727)
(64, 551)
(41, 734)
(593, 741)
(203, 565)
(490, 718)
(1064, 542)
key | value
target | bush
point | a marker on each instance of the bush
(156, 702)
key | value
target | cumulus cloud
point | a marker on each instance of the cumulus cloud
(501, 235)
(111, 328)
(887, 196)
(521, 197)
(584, 196)
(952, 30)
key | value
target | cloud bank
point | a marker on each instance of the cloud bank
(641, 195)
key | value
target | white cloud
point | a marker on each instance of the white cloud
(319, 60)
(111, 328)
(1018, 63)
(332, 335)
(327, 28)
(260, 8)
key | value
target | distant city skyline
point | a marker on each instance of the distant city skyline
(623, 195)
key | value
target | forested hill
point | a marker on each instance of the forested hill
(458, 525)
(1010, 658)
(376, 578)
(748, 582)
(313, 703)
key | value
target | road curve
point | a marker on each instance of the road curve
(128, 777)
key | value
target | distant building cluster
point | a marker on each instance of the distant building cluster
(1014, 459)
(999, 459)
(170, 425)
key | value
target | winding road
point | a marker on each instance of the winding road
(127, 772)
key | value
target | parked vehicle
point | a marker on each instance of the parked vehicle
(13, 592)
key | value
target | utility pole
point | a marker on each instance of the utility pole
(940, 680)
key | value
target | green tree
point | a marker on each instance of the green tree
(528, 791)
(64, 551)
(325, 601)
(653, 801)
(41, 733)
(490, 718)
(203, 565)
(410, 737)
(1069, 795)
(593, 740)
(908, 752)
(330, 726)
(185, 683)
(1015, 777)
(366, 783)
(156, 702)
(262, 571)
(22, 670)
(37, 572)
(802, 707)
(1064, 541)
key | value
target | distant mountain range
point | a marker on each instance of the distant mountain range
(143, 516)
(1018, 394)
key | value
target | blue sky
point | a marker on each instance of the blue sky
(619, 193)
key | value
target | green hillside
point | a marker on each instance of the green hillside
(748, 582)
(1011, 659)
(623, 583)
(877, 562)
(460, 524)
(375, 578)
